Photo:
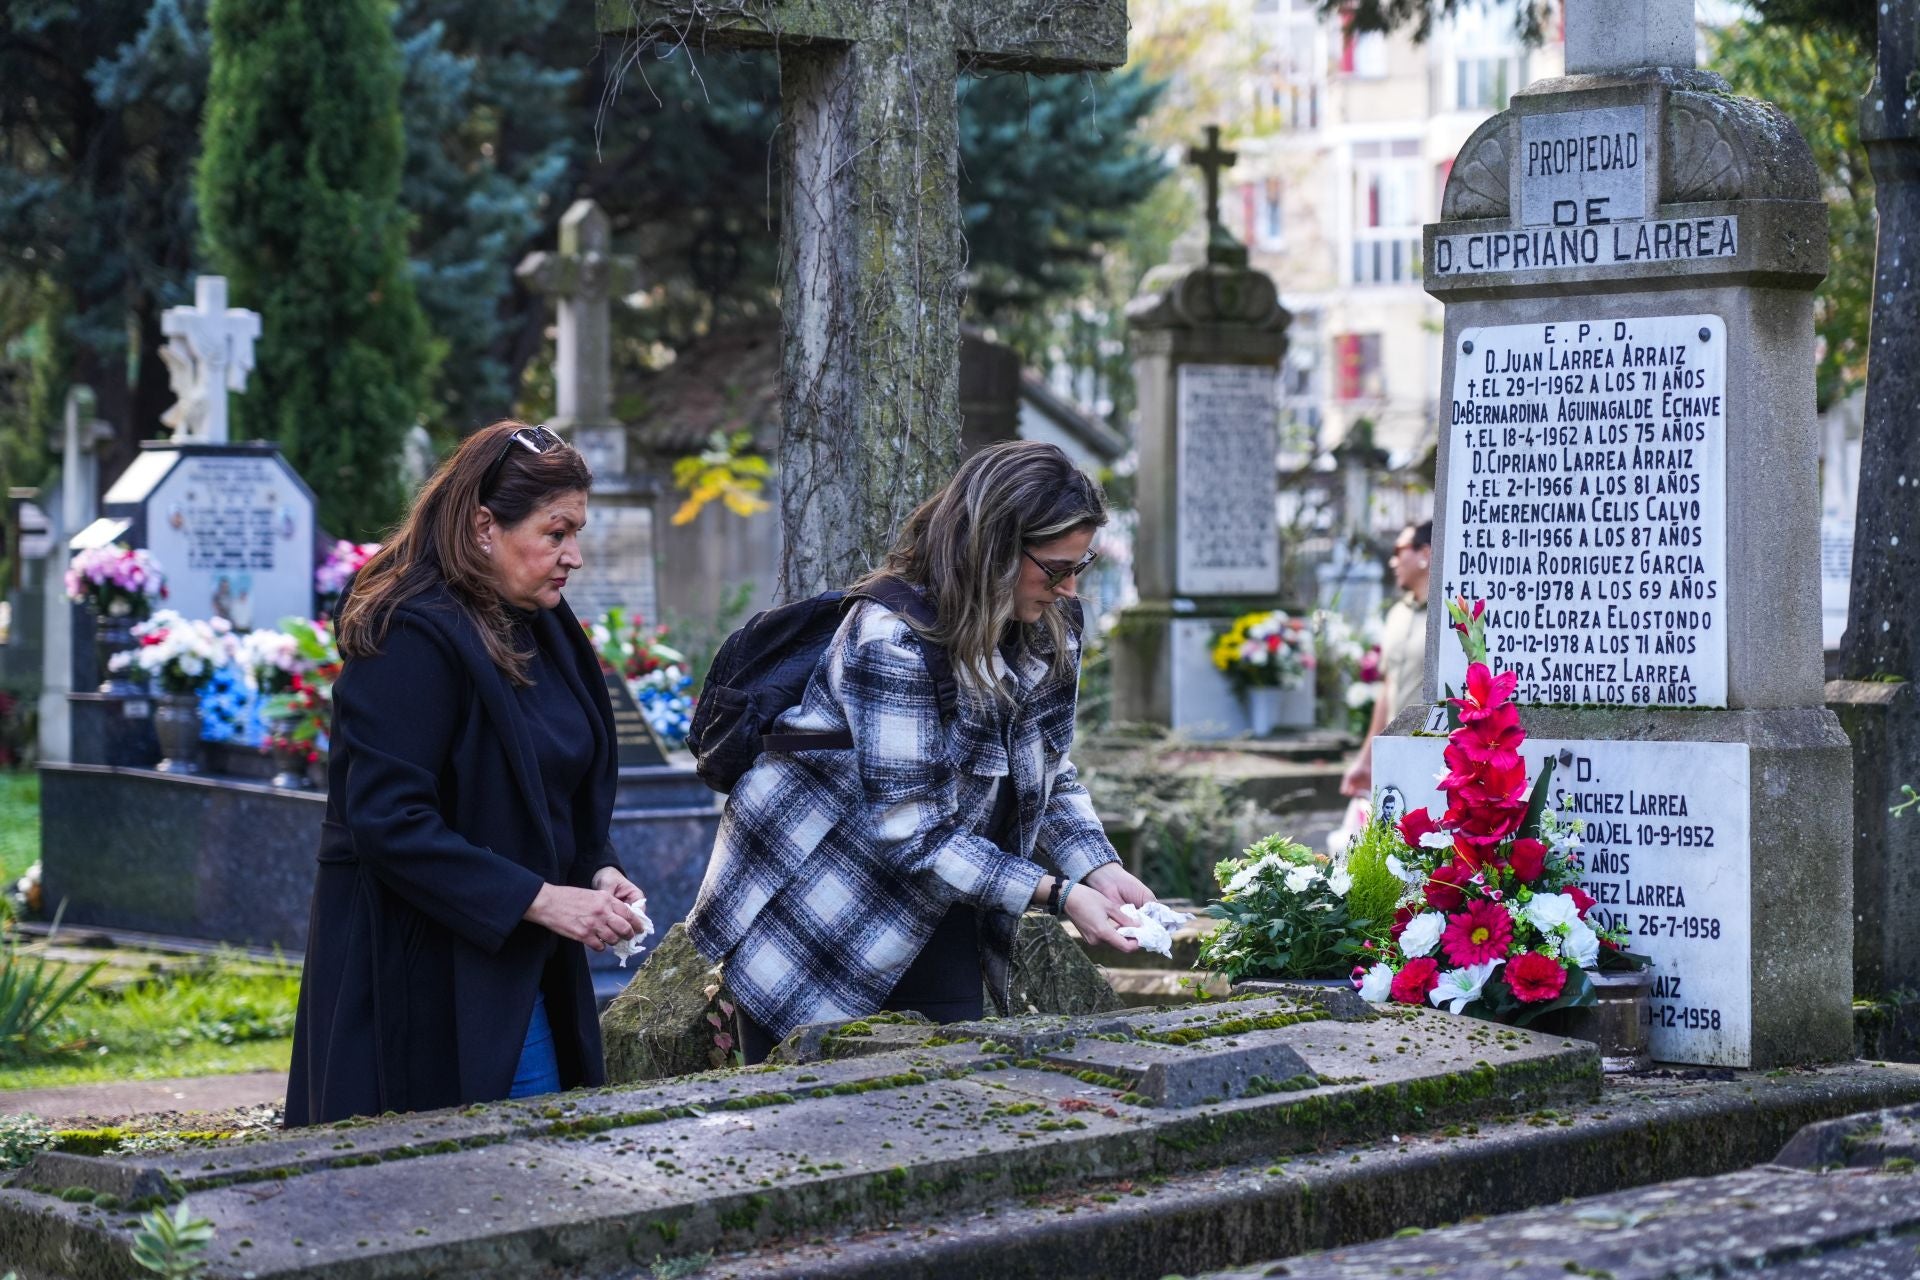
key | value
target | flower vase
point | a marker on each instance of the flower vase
(1619, 1021)
(176, 723)
(113, 633)
(289, 757)
(1263, 710)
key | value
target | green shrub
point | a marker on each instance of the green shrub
(1376, 890)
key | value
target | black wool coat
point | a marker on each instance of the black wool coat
(420, 973)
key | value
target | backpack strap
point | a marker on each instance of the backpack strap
(893, 594)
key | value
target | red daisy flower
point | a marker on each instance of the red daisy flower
(1480, 933)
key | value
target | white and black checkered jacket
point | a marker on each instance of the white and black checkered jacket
(832, 867)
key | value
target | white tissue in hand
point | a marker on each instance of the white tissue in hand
(633, 946)
(1154, 926)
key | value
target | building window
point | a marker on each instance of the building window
(1269, 213)
(1363, 54)
(1483, 84)
(1356, 367)
(1387, 177)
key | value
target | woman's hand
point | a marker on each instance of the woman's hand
(1098, 918)
(1118, 885)
(593, 916)
(610, 879)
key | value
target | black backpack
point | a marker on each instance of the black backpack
(762, 671)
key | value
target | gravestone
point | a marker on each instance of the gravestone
(1879, 662)
(881, 1121)
(1627, 478)
(872, 254)
(1207, 344)
(582, 278)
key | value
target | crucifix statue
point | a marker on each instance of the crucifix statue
(582, 279)
(872, 254)
(209, 352)
(1222, 249)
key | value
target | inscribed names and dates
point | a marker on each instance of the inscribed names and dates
(1586, 491)
(1664, 853)
(1226, 487)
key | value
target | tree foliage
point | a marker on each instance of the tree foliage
(1857, 19)
(1816, 75)
(298, 188)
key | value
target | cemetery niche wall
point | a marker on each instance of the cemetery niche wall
(1628, 479)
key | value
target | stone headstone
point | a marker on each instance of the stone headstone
(582, 278)
(1207, 344)
(232, 525)
(209, 352)
(1627, 478)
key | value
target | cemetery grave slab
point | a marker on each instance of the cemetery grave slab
(1640, 1131)
(594, 1182)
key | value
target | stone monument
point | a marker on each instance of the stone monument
(1207, 345)
(1879, 663)
(209, 352)
(81, 437)
(1627, 478)
(582, 279)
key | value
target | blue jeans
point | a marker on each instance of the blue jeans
(539, 1069)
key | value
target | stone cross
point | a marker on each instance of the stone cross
(582, 278)
(209, 353)
(1212, 160)
(872, 256)
(81, 436)
(1605, 36)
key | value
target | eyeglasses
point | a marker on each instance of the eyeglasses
(535, 440)
(1057, 576)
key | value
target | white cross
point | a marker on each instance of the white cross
(209, 352)
(1609, 36)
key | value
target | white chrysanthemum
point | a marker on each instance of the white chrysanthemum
(1422, 933)
(1300, 879)
(1339, 882)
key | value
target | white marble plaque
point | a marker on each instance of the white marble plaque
(1226, 487)
(1581, 168)
(1666, 852)
(1595, 247)
(1836, 578)
(1204, 703)
(235, 537)
(616, 549)
(1586, 504)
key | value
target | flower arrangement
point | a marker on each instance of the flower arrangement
(1284, 914)
(657, 674)
(116, 581)
(1363, 690)
(268, 660)
(1492, 921)
(180, 653)
(343, 560)
(303, 714)
(1265, 650)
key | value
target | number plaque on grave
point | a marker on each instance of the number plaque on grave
(1586, 490)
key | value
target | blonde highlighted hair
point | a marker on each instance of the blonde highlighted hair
(966, 545)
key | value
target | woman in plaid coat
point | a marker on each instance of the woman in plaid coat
(892, 874)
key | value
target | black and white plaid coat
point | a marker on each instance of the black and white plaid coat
(832, 867)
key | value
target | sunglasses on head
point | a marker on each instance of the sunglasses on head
(535, 440)
(1056, 576)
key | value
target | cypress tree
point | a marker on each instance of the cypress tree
(299, 207)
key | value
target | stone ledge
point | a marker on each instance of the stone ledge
(1641, 1130)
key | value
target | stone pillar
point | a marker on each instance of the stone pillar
(1627, 477)
(1879, 654)
(1207, 344)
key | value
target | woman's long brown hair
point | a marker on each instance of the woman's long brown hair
(964, 547)
(436, 542)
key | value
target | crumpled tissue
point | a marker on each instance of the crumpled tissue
(1154, 930)
(629, 947)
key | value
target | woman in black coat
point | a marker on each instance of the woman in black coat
(464, 862)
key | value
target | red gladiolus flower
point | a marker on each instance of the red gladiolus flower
(1417, 823)
(1582, 899)
(1535, 977)
(1480, 933)
(1443, 886)
(1485, 693)
(1528, 858)
(1411, 984)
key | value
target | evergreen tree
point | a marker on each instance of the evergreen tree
(299, 205)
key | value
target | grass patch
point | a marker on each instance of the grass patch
(19, 823)
(211, 1016)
